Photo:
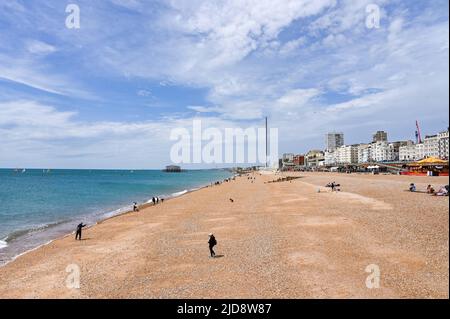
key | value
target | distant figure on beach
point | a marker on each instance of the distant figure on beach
(412, 187)
(154, 200)
(78, 233)
(443, 191)
(430, 189)
(135, 207)
(212, 242)
(333, 185)
(162, 200)
(231, 200)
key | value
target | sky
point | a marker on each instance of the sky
(109, 94)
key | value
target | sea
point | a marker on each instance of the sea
(40, 205)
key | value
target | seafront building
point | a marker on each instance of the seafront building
(379, 150)
(347, 154)
(299, 160)
(431, 143)
(314, 158)
(387, 152)
(288, 157)
(289, 161)
(420, 151)
(333, 141)
(408, 153)
(365, 153)
(443, 144)
(379, 136)
(330, 158)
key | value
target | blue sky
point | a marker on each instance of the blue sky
(108, 94)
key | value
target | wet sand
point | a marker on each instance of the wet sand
(276, 240)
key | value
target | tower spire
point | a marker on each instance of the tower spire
(266, 143)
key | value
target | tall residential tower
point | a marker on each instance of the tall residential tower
(333, 140)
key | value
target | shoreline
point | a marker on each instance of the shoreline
(102, 217)
(272, 231)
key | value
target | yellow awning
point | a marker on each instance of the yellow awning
(431, 161)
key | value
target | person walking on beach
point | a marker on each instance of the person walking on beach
(154, 200)
(78, 233)
(212, 242)
(135, 207)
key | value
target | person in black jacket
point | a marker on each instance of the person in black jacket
(78, 233)
(212, 242)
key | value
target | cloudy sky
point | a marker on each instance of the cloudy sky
(108, 94)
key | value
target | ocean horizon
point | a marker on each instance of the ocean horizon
(40, 205)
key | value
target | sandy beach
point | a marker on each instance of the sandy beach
(276, 240)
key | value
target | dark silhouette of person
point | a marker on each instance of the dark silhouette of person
(78, 233)
(154, 200)
(231, 200)
(212, 242)
(135, 207)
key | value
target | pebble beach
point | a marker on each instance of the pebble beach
(289, 239)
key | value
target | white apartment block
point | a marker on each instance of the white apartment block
(408, 153)
(288, 157)
(347, 154)
(365, 153)
(443, 144)
(330, 158)
(333, 141)
(431, 144)
(384, 151)
(420, 151)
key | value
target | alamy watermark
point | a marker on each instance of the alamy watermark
(73, 19)
(73, 278)
(230, 145)
(373, 280)
(373, 16)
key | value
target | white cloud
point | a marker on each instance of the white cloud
(292, 46)
(145, 93)
(39, 47)
(33, 134)
(251, 57)
(296, 98)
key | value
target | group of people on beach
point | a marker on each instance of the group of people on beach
(443, 190)
(334, 186)
(155, 200)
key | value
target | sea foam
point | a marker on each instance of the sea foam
(3, 244)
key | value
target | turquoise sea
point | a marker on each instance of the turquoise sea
(38, 205)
